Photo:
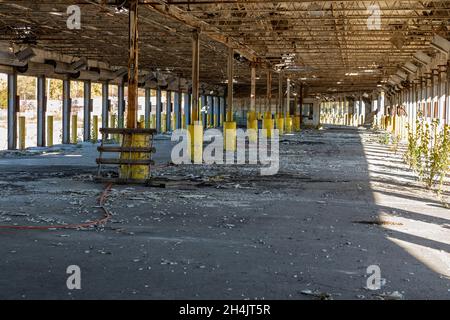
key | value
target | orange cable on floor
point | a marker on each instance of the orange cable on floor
(101, 201)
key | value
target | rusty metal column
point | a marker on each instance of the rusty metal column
(187, 108)
(105, 104)
(177, 109)
(13, 103)
(147, 107)
(158, 109)
(87, 111)
(41, 111)
(169, 111)
(121, 104)
(230, 85)
(66, 112)
(133, 65)
(195, 76)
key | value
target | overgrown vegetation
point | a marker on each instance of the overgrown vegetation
(428, 151)
(384, 138)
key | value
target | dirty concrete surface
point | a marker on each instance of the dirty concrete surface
(340, 203)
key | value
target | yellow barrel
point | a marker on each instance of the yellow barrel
(138, 172)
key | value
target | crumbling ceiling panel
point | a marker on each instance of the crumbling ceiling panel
(331, 41)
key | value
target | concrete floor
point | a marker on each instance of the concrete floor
(309, 232)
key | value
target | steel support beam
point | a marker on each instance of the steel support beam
(169, 111)
(121, 104)
(87, 107)
(148, 107)
(230, 67)
(133, 65)
(187, 108)
(177, 109)
(105, 104)
(67, 104)
(223, 109)
(204, 106)
(41, 110)
(13, 108)
(158, 110)
(210, 110)
(195, 76)
(216, 113)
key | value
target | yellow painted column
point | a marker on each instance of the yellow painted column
(173, 122)
(95, 128)
(268, 124)
(280, 124)
(230, 136)
(22, 133)
(183, 121)
(137, 172)
(163, 122)
(74, 136)
(252, 124)
(153, 121)
(196, 142)
(114, 124)
(297, 123)
(288, 124)
(49, 131)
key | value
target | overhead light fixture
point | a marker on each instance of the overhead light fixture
(440, 44)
